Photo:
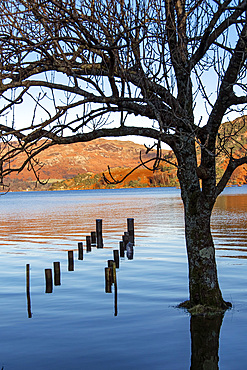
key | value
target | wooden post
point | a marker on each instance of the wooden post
(70, 261)
(48, 280)
(110, 264)
(116, 257)
(122, 249)
(28, 291)
(114, 273)
(108, 280)
(80, 251)
(114, 281)
(111, 278)
(57, 274)
(125, 239)
(99, 236)
(130, 228)
(93, 237)
(88, 241)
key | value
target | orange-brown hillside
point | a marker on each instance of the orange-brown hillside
(66, 161)
(233, 137)
(80, 165)
(63, 162)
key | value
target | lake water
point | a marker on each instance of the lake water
(78, 325)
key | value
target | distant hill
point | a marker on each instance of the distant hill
(63, 162)
(80, 165)
(166, 175)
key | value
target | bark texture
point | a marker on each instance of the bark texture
(203, 281)
(198, 204)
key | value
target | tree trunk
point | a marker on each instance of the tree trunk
(203, 281)
(198, 204)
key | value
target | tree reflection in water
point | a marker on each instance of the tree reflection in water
(205, 332)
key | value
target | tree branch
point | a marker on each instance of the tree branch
(232, 165)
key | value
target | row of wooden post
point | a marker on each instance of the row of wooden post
(125, 245)
(96, 239)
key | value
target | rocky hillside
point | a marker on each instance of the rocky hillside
(80, 165)
(67, 161)
(233, 136)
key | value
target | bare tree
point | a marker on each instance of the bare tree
(73, 71)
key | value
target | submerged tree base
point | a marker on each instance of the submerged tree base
(204, 310)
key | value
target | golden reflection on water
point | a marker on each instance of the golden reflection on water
(229, 225)
(238, 203)
(65, 224)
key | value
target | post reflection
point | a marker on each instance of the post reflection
(29, 312)
(205, 332)
(48, 281)
(130, 251)
(57, 273)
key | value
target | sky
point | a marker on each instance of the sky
(24, 112)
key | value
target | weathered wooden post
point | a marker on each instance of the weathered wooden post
(99, 236)
(48, 280)
(80, 251)
(108, 280)
(57, 273)
(125, 238)
(114, 272)
(110, 264)
(122, 249)
(93, 238)
(116, 257)
(70, 261)
(130, 228)
(111, 278)
(88, 241)
(28, 291)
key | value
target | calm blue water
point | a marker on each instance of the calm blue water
(74, 327)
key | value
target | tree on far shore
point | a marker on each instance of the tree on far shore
(173, 70)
